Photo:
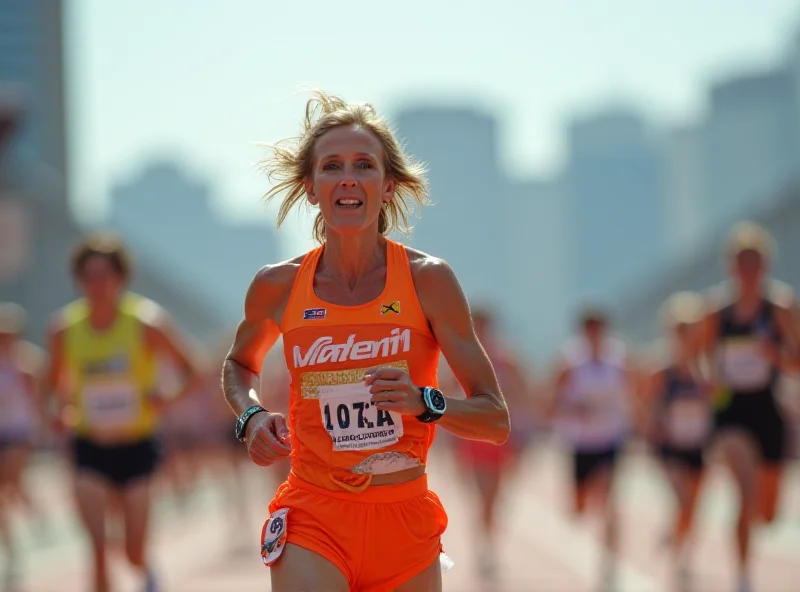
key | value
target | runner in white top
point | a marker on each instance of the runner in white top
(593, 388)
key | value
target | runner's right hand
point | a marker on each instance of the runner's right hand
(267, 438)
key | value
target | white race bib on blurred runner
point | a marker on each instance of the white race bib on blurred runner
(688, 422)
(111, 405)
(743, 366)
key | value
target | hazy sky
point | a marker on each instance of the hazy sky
(200, 81)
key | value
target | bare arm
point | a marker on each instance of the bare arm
(484, 414)
(257, 333)
(165, 341)
(29, 361)
(557, 387)
(789, 327)
(51, 389)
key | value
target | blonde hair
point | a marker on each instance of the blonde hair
(291, 162)
(682, 308)
(749, 236)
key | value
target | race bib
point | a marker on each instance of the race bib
(597, 420)
(353, 422)
(592, 414)
(688, 422)
(111, 405)
(273, 536)
(743, 366)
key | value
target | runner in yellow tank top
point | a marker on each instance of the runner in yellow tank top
(104, 351)
(363, 320)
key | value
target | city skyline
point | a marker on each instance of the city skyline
(220, 98)
(595, 230)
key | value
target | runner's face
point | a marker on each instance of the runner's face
(348, 180)
(594, 332)
(99, 282)
(749, 268)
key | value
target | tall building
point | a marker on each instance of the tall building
(537, 314)
(616, 197)
(687, 211)
(31, 65)
(169, 220)
(752, 142)
(467, 225)
(792, 64)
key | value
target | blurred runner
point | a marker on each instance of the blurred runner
(750, 336)
(678, 403)
(594, 386)
(487, 466)
(104, 351)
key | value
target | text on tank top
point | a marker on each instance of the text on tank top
(339, 439)
(742, 367)
(685, 410)
(111, 373)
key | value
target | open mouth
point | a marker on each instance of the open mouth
(349, 204)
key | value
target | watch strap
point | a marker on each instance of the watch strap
(429, 415)
(241, 422)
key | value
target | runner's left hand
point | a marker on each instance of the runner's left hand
(392, 390)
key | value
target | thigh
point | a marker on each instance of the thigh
(740, 452)
(769, 485)
(301, 569)
(405, 545)
(91, 496)
(429, 580)
(136, 513)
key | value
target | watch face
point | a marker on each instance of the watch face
(437, 400)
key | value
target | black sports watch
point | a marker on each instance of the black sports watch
(241, 423)
(435, 404)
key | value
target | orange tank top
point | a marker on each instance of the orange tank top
(339, 440)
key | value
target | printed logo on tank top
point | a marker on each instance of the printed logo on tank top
(325, 351)
(311, 314)
(118, 364)
(394, 307)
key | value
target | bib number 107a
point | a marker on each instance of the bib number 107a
(355, 414)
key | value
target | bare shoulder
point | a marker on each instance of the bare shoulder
(30, 357)
(716, 298)
(277, 275)
(58, 323)
(276, 278)
(150, 313)
(785, 307)
(270, 288)
(781, 294)
(427, 269)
